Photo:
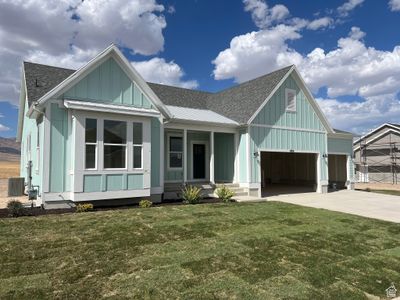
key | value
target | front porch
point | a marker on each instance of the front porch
(201, 157)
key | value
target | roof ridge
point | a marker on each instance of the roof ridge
(256, 78)
(178, 87)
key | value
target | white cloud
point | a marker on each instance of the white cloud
(262, 15)
(159, 71)
(360, 117)
(348, 6)
(394, 5)
(45, 30)
(3, 128)
(320, 23)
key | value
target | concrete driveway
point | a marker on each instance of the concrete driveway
(366, 204)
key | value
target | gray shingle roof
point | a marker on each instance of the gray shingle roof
(238, 103)
(40, 79)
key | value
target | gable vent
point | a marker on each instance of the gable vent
(290, 99)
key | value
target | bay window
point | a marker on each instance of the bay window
(175, 155)
(137, 145)
(114, 144)
(90, 143)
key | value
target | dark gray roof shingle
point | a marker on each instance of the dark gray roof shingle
(40, 79)
(238, 103)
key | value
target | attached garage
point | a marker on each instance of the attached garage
(287, 172)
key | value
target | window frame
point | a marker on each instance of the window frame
(169, 136)
(103, 120)
(137, 145)
(96, 155)
(287, 109)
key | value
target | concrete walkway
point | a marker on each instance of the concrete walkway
(371, 205)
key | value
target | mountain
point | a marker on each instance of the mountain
(10, 150)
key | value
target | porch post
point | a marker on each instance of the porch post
(184, 155)
(212, 180)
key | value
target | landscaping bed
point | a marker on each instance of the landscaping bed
(266, 250)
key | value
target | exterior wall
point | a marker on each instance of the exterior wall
(32, 127)
(224, 161)
(275, 129)
(155, 152)
(60, 159)
(345, 147)
(242, 157)
(108, 83)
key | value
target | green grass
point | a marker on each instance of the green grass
(244, 251)
(387, 192)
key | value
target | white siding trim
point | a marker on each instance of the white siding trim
(287, 128)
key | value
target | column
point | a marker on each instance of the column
(212, 179)
(184, 155)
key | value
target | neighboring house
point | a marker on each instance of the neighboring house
(102, 133)
(377, 156)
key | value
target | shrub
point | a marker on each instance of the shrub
(191, 194)
(145, 203)
(224, 193)
(15, 208)
(84, 207)
(367, 189)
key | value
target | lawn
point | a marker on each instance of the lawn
(245, 251)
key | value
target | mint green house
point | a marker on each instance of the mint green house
(101, 133)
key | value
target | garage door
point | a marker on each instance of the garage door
(285, 173)
(337, 170)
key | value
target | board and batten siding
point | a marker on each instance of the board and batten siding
(108, 83)
(275, 129)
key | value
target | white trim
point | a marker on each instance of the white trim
(376, 138)
(212, 156)
(248, 155)
(294, 92)
(46, 149)
(287, 128)
(169, 135)
(207, 166)
(236, 162)
(194, 127)
(162, 154)
(96, 144)
(338, 153)
(110, 51)
(110, 108)
(92, 196)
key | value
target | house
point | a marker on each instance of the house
(103, 133)
(377, 156)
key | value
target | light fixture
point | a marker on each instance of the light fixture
(325, 155)
(255, 154)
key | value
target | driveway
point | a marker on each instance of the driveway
(371, 205)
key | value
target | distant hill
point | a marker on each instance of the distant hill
(10, 150)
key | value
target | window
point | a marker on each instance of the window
(137, 142)
(175, 152)
(90, 143)
(114, 144)
(290, 97)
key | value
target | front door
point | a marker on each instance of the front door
(199, 161)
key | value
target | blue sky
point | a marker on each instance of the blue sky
(345, 49)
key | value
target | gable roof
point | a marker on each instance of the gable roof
(386, 127)
(239, 103)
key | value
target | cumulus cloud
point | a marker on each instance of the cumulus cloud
(320, 23)
(159, 71)
(69, 32)
(394, 5)
(348, 6)
(262, 15)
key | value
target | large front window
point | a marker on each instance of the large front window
(114, 144)
(175, 152)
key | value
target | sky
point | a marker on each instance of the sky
(348, 51)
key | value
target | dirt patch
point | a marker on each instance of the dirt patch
(3, 194)
(9, 169)
(377, 186)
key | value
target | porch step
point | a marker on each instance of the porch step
(228, 185)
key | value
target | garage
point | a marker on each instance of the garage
(287, 173)
(337, 166)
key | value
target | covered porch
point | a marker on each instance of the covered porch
(196, 155)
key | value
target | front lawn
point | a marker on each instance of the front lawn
(246, 251)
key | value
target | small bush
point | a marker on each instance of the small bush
(145, 203)
(191, 194)
(224, 193)
(15, 208)
(84, 207)
(367, 189)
